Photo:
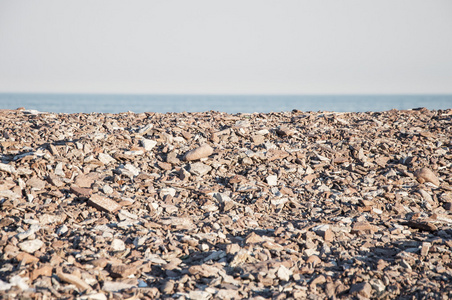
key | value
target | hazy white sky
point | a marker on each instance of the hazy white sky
(232, 47)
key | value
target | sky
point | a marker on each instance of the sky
(226, 47)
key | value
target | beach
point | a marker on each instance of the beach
(211, 205)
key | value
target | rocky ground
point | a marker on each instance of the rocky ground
(210, 205)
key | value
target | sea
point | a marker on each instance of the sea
(105, 103)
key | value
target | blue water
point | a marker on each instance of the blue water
(81, 103)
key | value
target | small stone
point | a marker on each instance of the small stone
(363, 289)
(257, 139)
(46, 270)
(31, 246)
(284, 273)
(405, 265)
(103, 203)
(164, 165)
(272, 246)
(46, 219)
(55, 180)
(253, 238)
(377, 285)
(7, 168)
(116, 286)
(81, 192)
(233, 248)
(318, 280)
(32, 230)
(203, 270)
(100, 262)
(313, 260)
(85, 181)
(26, 258)
(199, 295)
(425, 248)
(363, 227)
(447, 206)
(20, 282)
(167, 287)
(426, 175)
(118, 245)
(172, 158)
(121, 270)
(132, 169)
(240, 258)
(62, 230)
(36, 183)
(145, 129)
(272, 180)
(325, 232)
(105, 158)
(107, 189)
(199, 169)
(422, 225)
(203, 151)
(285, 131)
(148, 145)
(168, 191)
(228, 294)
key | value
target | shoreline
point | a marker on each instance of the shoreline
(226, 206)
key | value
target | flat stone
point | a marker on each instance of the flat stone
(80, 191)
(121, 270)
(26, 258)
(105, 158)
(148, 145)
(363, 227)
(199, 169)
(45, 270)
(422, 225)
(31, 246)
(55, 180)
(56, 219)
(85, 181)
(199, 295)
(203, 270)
(117, 286)
(36, 183)
(103, 203)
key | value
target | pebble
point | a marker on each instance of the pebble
(203, 151)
